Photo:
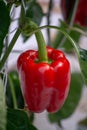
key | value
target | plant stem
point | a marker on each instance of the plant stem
(78, 30)
(71, 22)
(74, 13)
(67, 36)
(63, 32)
(42, 52)
(13, 92)
(23, 11)
(48, 21)
(4, 58)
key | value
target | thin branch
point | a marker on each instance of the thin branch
(71, 21)
(4, 58)
(78, 30)
(48, 21)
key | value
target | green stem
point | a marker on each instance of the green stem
(4, 58)
(22, 14)
(67, 36)
(48, 21)
(62, 31)
(13, 92)
(42, 52)
(13, 41)
(74, 13)
(78, 30)
(71, 22)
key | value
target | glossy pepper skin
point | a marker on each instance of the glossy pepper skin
(44, 85)
(81, 13)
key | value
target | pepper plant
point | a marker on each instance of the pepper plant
(43, 79)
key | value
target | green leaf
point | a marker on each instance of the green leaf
(2, 108)
(35, 13)
(17, 90)
(4, 23)
(72, 100)
(18, 120)
(83, 63)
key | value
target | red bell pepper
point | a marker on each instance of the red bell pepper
(44, 85)
(81, 13)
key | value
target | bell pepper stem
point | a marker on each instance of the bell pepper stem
(63, 32)
(42, 52)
